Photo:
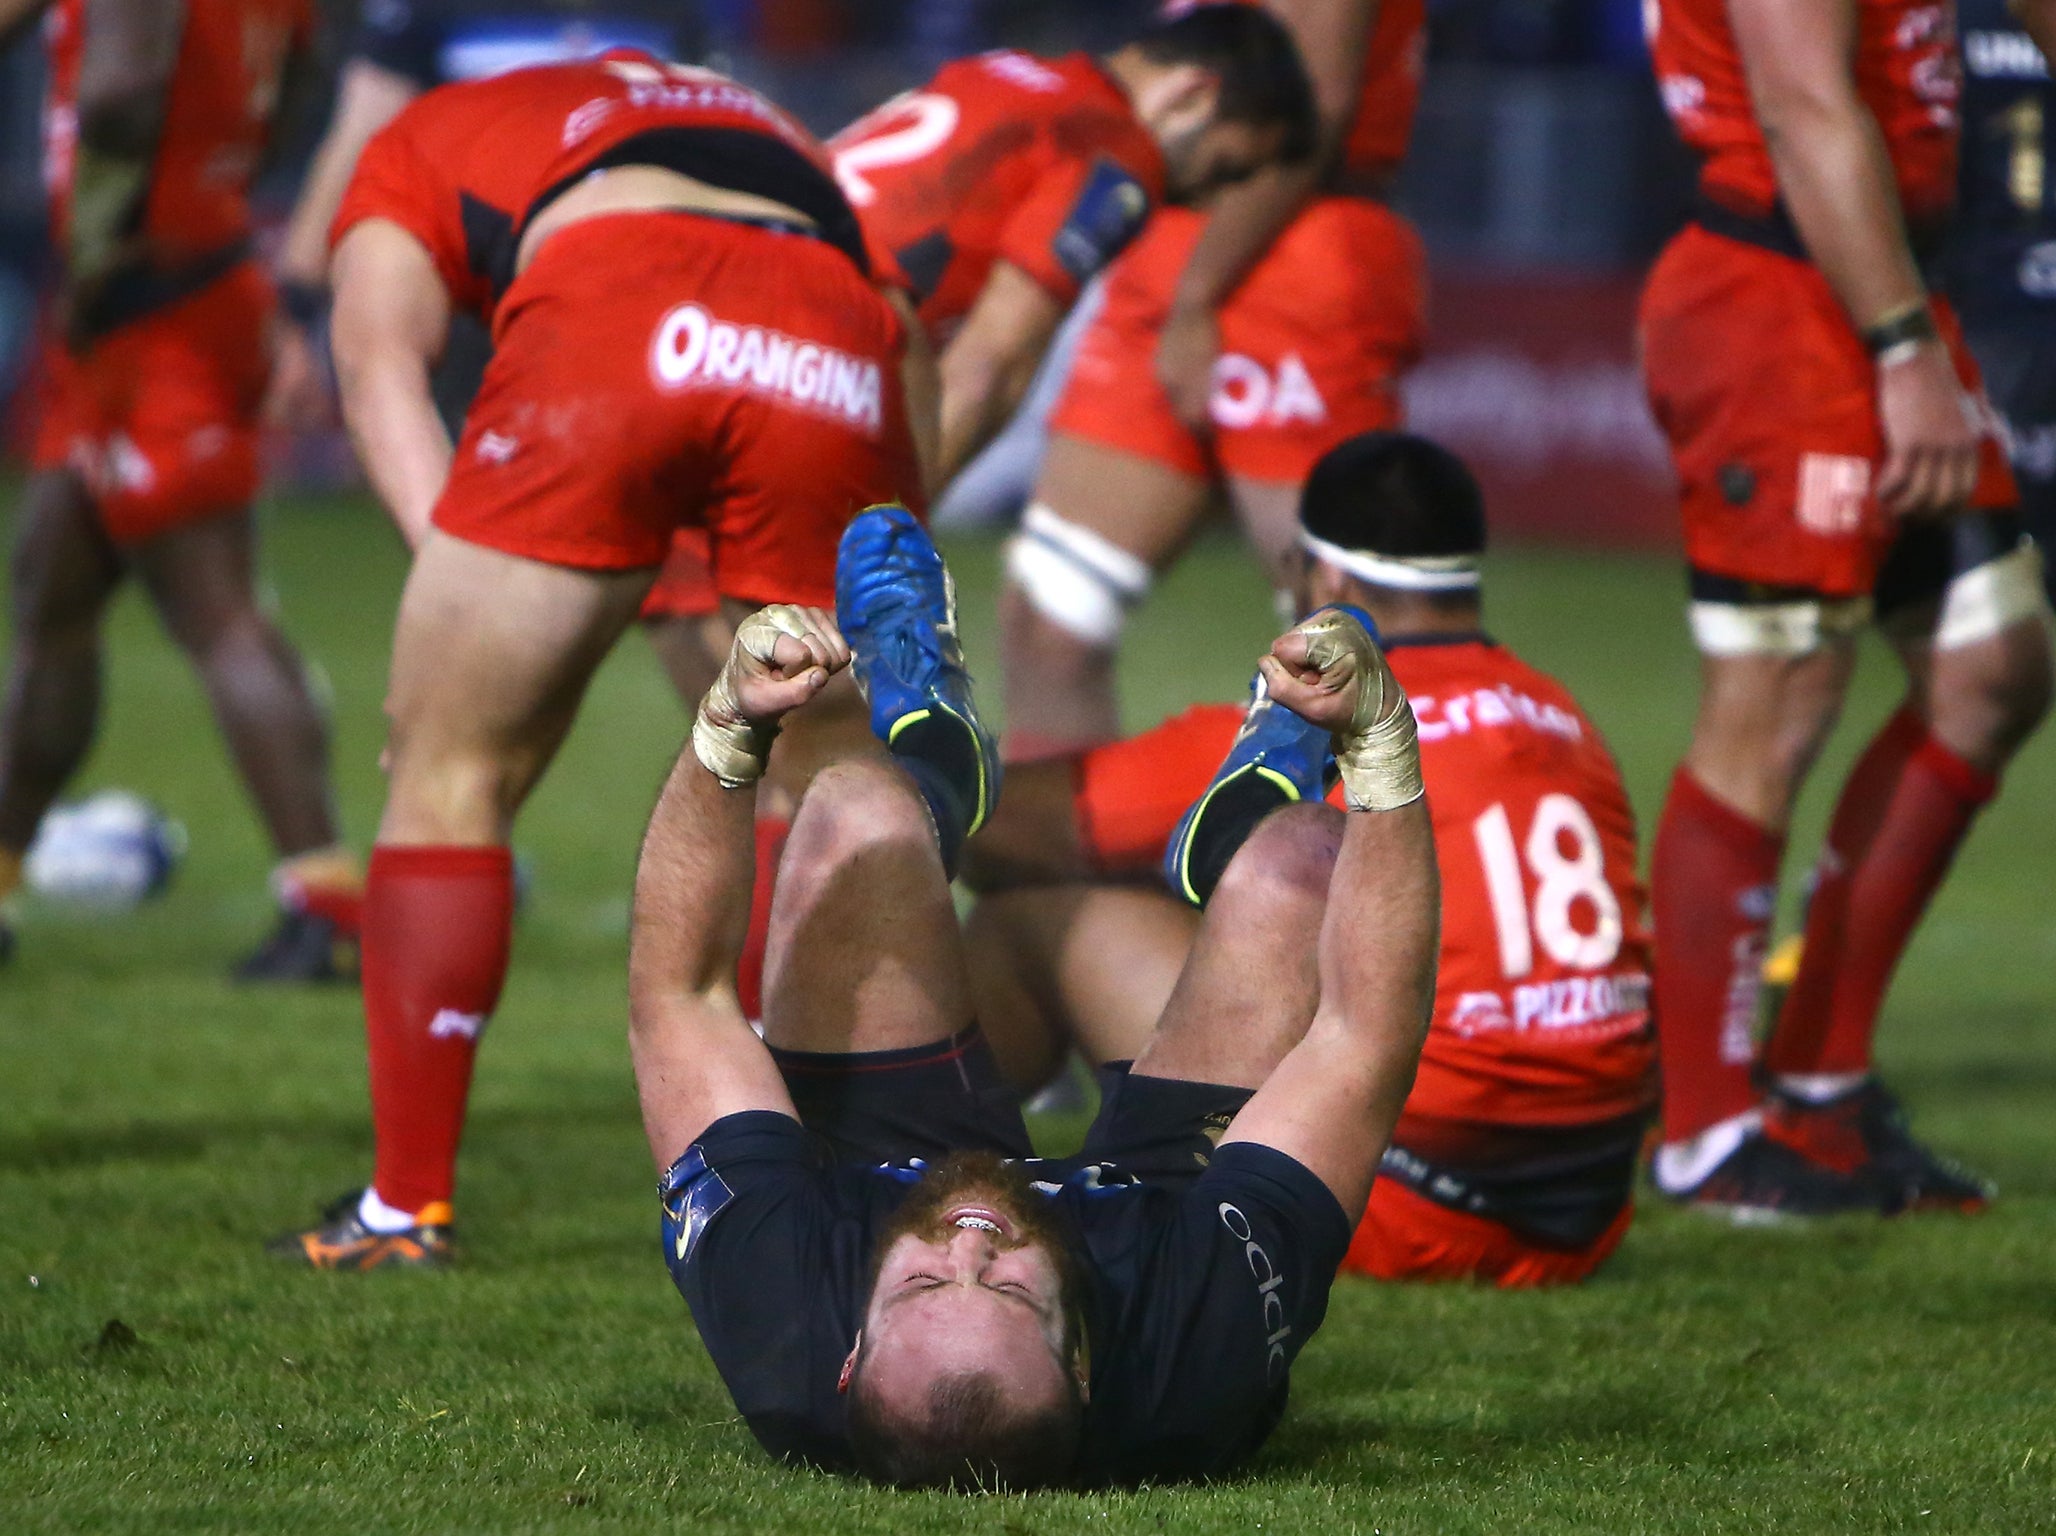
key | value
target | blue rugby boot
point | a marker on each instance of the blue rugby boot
(897, 606)
(1277, 760)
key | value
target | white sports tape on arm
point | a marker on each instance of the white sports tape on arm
(727, 745)
(1079, 580)
(1379, 749)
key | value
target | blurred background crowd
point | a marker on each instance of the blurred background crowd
(1542, 175)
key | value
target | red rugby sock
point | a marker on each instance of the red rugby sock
(1713, 891)
(1902, 816)
(437, 925)
(749, 966)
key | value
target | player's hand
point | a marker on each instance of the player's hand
(782, 656)
(1186, 353)
(300, 397)
(1328, 670)
(1932, 436)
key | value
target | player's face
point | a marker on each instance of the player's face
(971, 1280)
(1216, 154)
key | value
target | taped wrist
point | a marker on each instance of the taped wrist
(1378, 751)
(729, 746)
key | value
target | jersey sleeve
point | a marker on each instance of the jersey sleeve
(395, 180)
(1131, 793)
(748, 1224)
(1077, 219)
(403, 36)
(1238, 1283)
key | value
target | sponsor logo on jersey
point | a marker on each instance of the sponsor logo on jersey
(695, 349)
(1484, 709)
(1109, 212)
(1247, 394)
(693, 1196)
(2004, 56)
(1569, 1002)
(1269, 1280)
(1021, 69)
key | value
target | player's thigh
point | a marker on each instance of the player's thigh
(491, 655)
(64, 567)
(1268, 511)
(1147, 506)
(202, 576)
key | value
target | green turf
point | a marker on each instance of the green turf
(155, 1124)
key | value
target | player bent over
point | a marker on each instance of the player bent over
(1235, 344)
(685, 332)
(994, 191)
(881, 1284)
(1836, 462)
(147, 452)
(1514, 1160)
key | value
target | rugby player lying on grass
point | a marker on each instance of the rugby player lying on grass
(883, 1279)
(1514, 1161)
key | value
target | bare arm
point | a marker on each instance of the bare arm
(131, 51)
(367, 98)
(696, 1057)
(1332, 1102)
(392, 316)
(921, 388)
(1243, 220)
(989, 363)
(1835, 176)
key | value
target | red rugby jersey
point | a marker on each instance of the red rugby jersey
(1908, 73)
(1395, 56)
(462, 166)
(218, 119)
(1005, 156)
(1542, 986)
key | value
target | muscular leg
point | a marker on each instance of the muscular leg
(863, 953)
(64, 571)
(690, 650)
(1762, 721)
(1905, 811)
(1089, 966)
(1249, 989)
(492, 655)
(1059, 620)
(203, 582)
(1268, 511)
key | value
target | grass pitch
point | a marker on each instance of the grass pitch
(157, 1373)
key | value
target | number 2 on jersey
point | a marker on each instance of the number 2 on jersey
(929, 121)
(1560, 880)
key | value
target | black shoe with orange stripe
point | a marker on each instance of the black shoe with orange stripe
(1865, 1129)
(1765, 1181)
(342, 1241)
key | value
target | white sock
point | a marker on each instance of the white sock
(1818, 1087)
(1682, 1164)
(377, 1216)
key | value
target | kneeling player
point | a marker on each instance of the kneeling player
(1133, 1315)
(685, 332)
(1514, 1160)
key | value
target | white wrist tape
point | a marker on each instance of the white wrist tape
(1379, 749)
(729, 746)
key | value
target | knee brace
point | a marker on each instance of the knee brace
(1079, 580)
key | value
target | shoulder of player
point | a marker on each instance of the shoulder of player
(1466, 691)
